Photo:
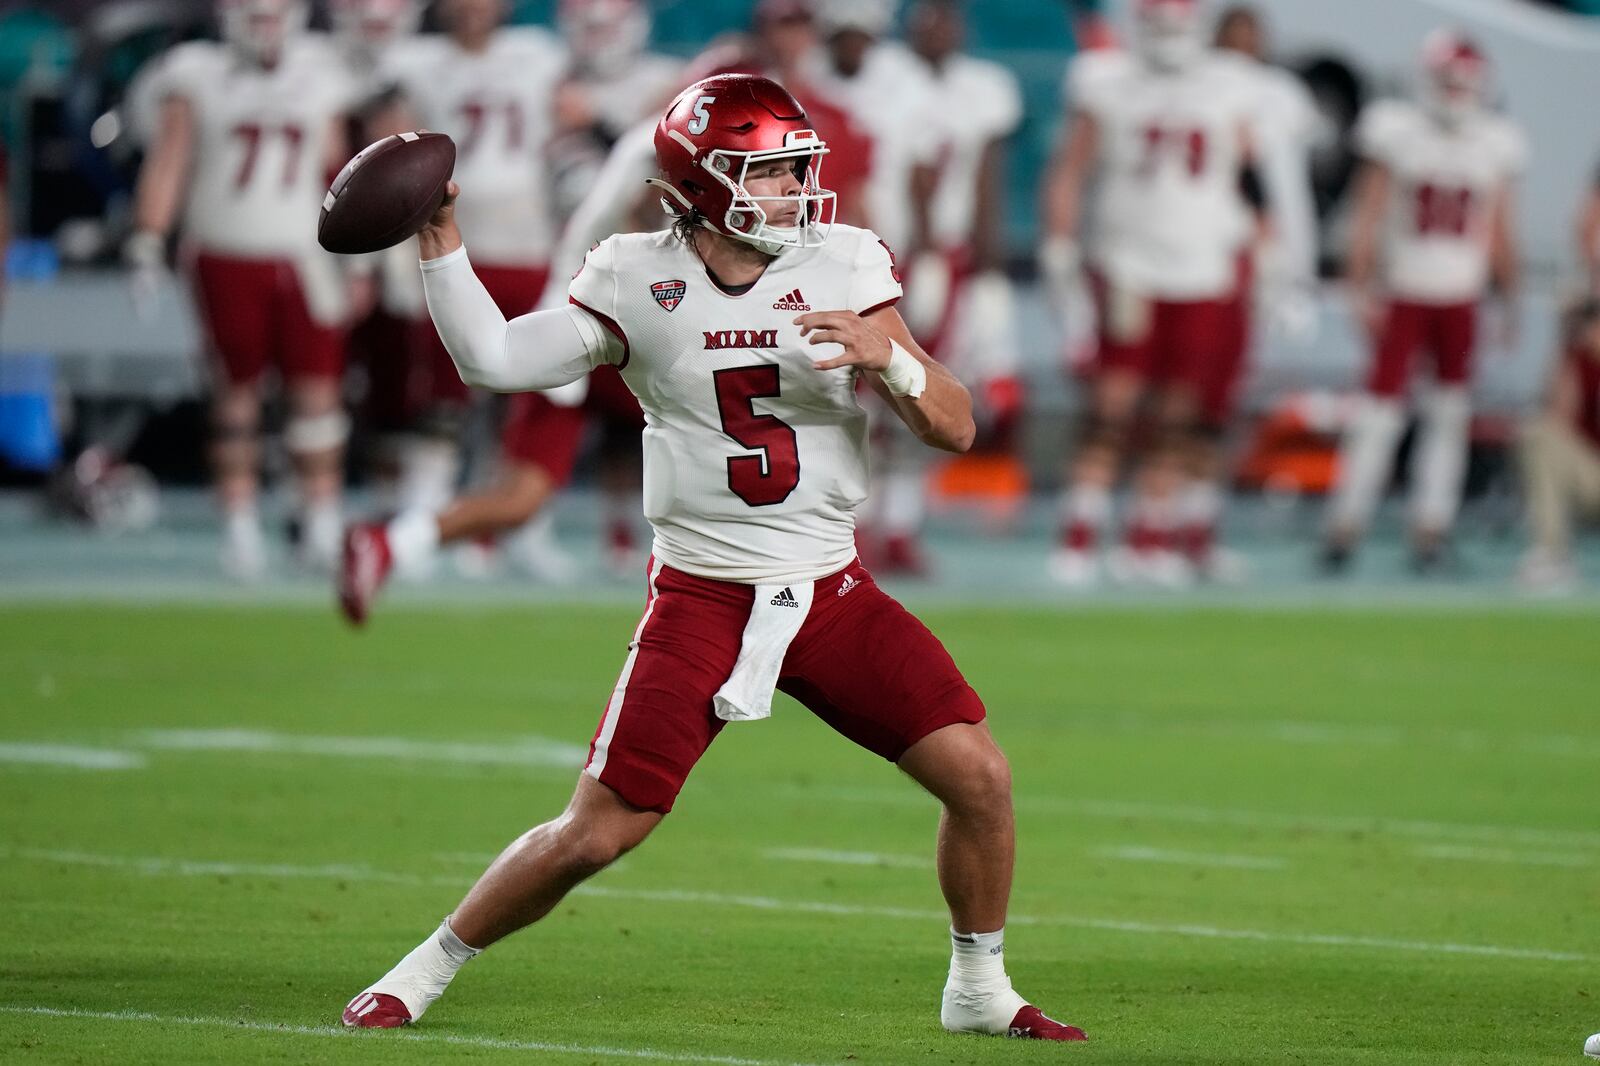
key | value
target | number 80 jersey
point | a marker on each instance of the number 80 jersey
(754, 460)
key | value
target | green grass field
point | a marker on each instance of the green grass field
(1245, 838)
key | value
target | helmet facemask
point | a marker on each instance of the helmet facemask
(747, 216)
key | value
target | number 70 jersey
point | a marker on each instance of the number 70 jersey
(754, 460)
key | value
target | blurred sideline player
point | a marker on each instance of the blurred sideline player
(371, 36)
(1277, 267)
(1165, 131)
(959, 301)
(491, 88)
(248, 133)
(611, 83)
(1431, 227)
(409, 542)
(1561, 455)
(755, 462)
(890, 94)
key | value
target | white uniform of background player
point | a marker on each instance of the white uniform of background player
(612, 82)
(244, 135)
(1432, 227)
(891, 98)
(1162, 134)
(491, 88)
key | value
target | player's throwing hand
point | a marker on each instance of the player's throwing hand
(864, 346)
(440, 236)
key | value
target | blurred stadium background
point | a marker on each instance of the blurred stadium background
(1276, 811)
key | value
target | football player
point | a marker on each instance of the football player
(247, 132)
(1166, 128)
(491, 88)
(755, 461)
(1431, 229)
(1277, 266)
(1561, 455)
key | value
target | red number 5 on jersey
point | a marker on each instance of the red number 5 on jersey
(768, 478)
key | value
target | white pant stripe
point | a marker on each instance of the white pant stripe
(608, 727)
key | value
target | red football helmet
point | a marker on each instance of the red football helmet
(710, 137)
(260, 28)
(1457, 74)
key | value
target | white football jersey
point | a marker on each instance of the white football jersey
(1168, 218)
(262, 143)
(754, 460)
(496, 106)
(892, 100)
(1284, 127)
(1445, 182)
(977, 102)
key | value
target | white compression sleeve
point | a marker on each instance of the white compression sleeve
(540, 350)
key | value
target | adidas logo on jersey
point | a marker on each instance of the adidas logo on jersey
(785, 599)
(740, 338)
(846, 585)
(792, 302)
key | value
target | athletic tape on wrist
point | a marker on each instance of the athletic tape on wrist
(905, 375)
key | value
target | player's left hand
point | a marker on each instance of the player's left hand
(864, 346)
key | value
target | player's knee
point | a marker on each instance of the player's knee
(587, 846)
(986, 786)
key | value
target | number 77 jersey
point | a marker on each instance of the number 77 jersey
(754, 460)
(262, 143)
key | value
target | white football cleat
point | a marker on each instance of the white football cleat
(1074, 568)
(1542, 573)
(244, 549)
(1155, 568)
(1591, 1046)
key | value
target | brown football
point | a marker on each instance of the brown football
(386, 193)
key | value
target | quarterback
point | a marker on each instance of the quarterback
(742, 330)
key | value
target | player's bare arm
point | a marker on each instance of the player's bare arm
(940, 414)
(1373, 185)
(1505, 263)
(1071, 165)
(165, 175)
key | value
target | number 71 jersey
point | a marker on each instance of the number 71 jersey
(754, 460)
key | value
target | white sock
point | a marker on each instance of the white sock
(429, 468)
(978, 997)
(420, 978)
(1087, 504)
(1440, 462)
(1364, 460)
(413, 539)
(1201, 504)
(322, 527)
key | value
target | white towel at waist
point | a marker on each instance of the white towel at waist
(775, 617)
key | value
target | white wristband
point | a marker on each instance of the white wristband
(905, 375)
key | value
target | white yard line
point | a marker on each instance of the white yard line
(519, 751)
(1138, 853)
(1507, 856)
(407, 1035)
(193, 868)
(72, 755)
(849, 858)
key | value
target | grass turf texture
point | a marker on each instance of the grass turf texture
(1394, 782)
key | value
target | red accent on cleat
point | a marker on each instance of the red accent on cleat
(374, 1010)
(364, 566)
(1032, 1024)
